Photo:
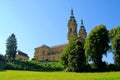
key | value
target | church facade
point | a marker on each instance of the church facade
(46, 53)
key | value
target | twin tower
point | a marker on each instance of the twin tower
(72, 29)
(46, 53)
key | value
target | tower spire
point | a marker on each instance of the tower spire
(72, 18)
(82, 24)
(72, 14)
(82, 32)
(72, 27)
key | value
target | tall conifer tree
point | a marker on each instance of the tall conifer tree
(11, 47)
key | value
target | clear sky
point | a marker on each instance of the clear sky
(37, 22)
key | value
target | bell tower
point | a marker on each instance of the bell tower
(82, 32)
(72, 27)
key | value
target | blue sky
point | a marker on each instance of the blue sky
(37, 22)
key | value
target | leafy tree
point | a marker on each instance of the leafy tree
(64, 58)
(11, 47)
(113, 32)
(116, 48)
(96, 45)
(114, 35)
(73, 58)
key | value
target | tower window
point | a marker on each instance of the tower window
(70, 30)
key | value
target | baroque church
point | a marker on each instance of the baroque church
(46, 53)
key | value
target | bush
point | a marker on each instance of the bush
(111, 67)
(2, 62)
(34, 66)
(2, 65)
(23, 65)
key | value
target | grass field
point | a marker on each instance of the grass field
(28, 75)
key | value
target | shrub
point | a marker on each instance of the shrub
(34, 66)
(2, 62)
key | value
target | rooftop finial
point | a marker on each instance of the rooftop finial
(72, 12)
(82, 24)
(81, 21)
(72, 18)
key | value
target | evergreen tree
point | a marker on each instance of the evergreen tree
(96, 45)
(11, 47)
(73, 58)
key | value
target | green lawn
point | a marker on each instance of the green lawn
(29, 75)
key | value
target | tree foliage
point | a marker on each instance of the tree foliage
(11, 47)
(73, 58)
(116, 48)
(1, 57)
(115, 40)
(2, 62)
(97, 44)
(114, 31)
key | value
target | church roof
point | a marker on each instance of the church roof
(22, 53)
(44, 46)
(58, 45)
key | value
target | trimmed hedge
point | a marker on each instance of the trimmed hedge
(48, 66)
(34, 66)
